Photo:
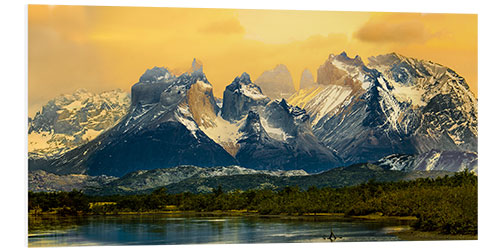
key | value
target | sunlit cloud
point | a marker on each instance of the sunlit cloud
(411, 31)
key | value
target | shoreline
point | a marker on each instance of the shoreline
(243, 213)
(414, 235)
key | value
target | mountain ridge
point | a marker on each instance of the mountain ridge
(357, 113)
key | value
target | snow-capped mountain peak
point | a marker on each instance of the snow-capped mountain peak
(345, 59)
(71, 120)
(394, 104)
(241, 96)
(155, 75)
(244, 85)
(196, 66)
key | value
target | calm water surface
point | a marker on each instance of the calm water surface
(47, 231)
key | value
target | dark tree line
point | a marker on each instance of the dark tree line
(65, 203)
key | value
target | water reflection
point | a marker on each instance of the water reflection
(168, 229)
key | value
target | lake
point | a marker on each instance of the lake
(160, 229)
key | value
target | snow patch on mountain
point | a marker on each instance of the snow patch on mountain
(328, 101)
(321, 101)
(411, 94)
(391, 108)
(252, 92)
(224, 133)
(183, 115)
(90, 134)
(40, 141)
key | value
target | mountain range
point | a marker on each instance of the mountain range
(397, 112)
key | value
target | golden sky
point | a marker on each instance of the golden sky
(104, 48)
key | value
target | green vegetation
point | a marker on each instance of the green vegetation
(446, 205)
(64, 203)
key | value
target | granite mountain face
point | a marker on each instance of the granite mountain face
(276, 83)
(307, 80)
(272, 135)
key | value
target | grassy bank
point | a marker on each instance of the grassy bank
(413, 235)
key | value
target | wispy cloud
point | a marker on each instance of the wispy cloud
(408, 31)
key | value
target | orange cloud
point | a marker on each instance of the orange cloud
(448, 39)
(229, 26)
(410, 31)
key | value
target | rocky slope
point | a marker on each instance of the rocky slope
(335, 178)
(151, 179)
(286, 142)
(41, 181)
(432, 160)
(69, 121)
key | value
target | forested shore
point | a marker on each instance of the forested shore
(447, 205)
